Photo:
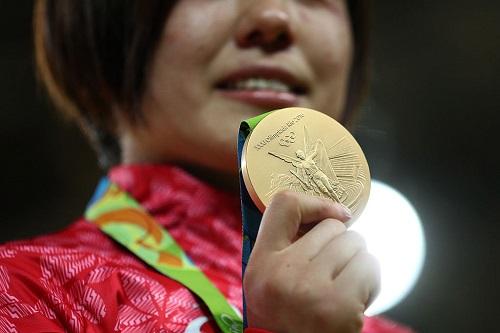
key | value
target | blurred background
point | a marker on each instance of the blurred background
(429, 129)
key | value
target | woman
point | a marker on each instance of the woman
(160, 88)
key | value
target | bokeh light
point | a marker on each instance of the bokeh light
(394, 235)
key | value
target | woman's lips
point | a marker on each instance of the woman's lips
(262, 86)
(263, 98)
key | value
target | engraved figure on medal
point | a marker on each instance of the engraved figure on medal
(338, 176)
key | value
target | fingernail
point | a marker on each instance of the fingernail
(347, 212)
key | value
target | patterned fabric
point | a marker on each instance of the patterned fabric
(79, 280)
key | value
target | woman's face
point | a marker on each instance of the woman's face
(219, 62)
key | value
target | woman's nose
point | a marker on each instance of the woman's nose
(265, 24)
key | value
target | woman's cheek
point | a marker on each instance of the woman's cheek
(325, 36)
(197, 28)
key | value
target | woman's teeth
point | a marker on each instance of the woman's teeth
(260, 84)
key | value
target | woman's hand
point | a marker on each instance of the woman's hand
(320, 282)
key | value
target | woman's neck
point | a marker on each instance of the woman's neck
(225, 181)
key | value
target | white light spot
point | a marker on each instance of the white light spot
(394, 235)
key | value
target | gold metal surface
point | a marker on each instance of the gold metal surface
(306, 151)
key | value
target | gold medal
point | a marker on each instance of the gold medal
(303, 150)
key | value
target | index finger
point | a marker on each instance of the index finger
(287, 211)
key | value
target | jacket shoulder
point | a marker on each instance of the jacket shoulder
(79, 280)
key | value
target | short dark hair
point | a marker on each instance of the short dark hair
(359, 11)
(93, 56)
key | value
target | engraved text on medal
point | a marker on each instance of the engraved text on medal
(288, 138)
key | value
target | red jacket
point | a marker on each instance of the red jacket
(79, 280)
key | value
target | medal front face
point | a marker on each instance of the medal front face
(306, 151)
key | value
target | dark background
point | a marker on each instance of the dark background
(429, 129)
